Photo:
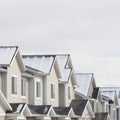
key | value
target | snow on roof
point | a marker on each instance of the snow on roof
(42, 63)
(117, 89)
(6, 54)
(65, 71)
(84, 81)
(109, 94)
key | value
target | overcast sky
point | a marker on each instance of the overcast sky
(89, 30)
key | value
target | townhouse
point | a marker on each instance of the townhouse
(87, 90)
(46, 87)
(112, 94)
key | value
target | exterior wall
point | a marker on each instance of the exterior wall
(25, 99)
(86, 114)
(38, 101)
(52, 78)
(2, 112)
(67, 101)
(90, 92)
(2, 118)
(14, 69)
(0, 81)
(33, 100)
(4, 83)
(78, 96)
(31, 89)
(61, 95)
(31, 118)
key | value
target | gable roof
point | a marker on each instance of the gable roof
(100, 116)
(95, 92)
(7, 54)
(84, 80)
(109, 94)
(64, 69)
(39, 109)
(117, 89)
(16, 108)
(62, 110)
(42, 63)
(78, 106)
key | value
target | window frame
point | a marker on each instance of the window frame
(14, 90)
(52, 90)
(23, 87)
(38, 86)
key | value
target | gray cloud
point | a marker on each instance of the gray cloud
(88, 30)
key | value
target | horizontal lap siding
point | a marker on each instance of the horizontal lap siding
(14, 69)
(2, 118)
(52, 78)
(68, 101)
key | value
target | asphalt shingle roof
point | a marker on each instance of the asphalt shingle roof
(16, 107)
(78, 106)
(62, 110)
(39, 109)
(100, 116)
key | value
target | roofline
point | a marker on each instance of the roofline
(62, 54)
(53, 62)
(110, 87)
(7, 105)
(80, 94)
(26, 106)
(14, 55)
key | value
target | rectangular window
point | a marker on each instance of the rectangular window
(52, 90)
(38, 89)
(23, 87)
(69, 95)
(14, 85)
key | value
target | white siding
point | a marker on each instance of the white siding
(14, 69)
(67, 101)
(38, 101)
(61, 95)
(52, 78)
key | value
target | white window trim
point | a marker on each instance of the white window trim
(52, 99)
(14, 95)
(23, 97)
(38, 80)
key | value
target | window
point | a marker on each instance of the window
(23, 87)
(69, 95)
(52, 90)
(14, 85)
(38, 89)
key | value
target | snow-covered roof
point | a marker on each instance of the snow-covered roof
(83, 81)
(63, 65)
(6, 54)
(109, 94)
(42, 63)
(117, 89)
